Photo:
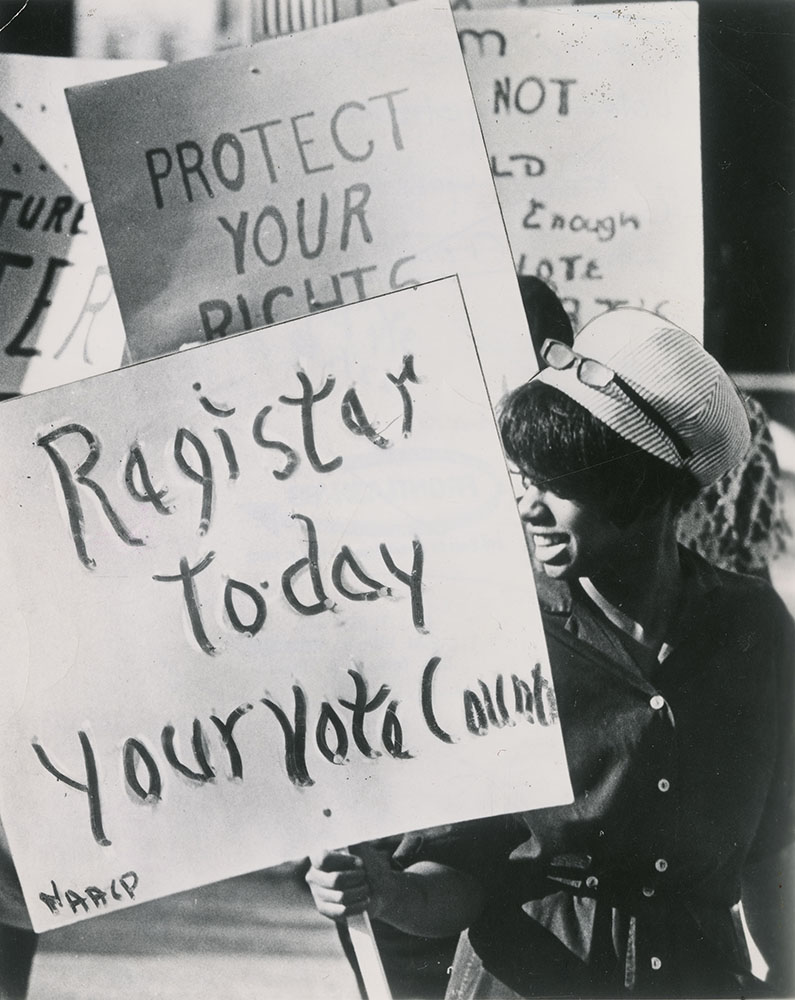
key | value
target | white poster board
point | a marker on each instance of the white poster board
(591, 119)
(260, 597)
(58, 315)
(297, 174)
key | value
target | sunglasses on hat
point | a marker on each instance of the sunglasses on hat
(598, 376)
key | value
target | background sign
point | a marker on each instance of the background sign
(58, 315)
(298, 174)
(263, 596)
(591, 120)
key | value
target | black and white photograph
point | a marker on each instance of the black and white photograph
(397, 416)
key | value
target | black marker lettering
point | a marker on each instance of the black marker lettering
(270, 212)
(360, 707)
(294, 738)
(407, 374)
(355, 419)
(292, 456)
(229, 452)
(397, 138)
(329, 717)
(341, 148)
(392, 733)
(306, 402)
(257, 600)
(194, 167)
(136, 460)
(68, 479)
(16, 347)
(346, 558)
(133, 752)
(270, 297)
(199, 747)
(474, 714)
(321, 228)
(155, 175)
(129, 882)
(60, 207)
(192, 602)
(355, 208)
(91, 786)
(52, 900)
(238, 234)
(229, 140)
(97, 896)
(93, 305)
(428, 712)
(204, 477)
(215, 329)
(314, 303)
(74, 899)
(260, 130)
(312, 562)
(413, 581)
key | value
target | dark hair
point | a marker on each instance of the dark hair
(559, 445)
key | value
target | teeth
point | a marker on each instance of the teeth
(543, 541)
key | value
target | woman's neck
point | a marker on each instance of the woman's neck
(644, 581)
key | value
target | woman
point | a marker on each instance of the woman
(674, 686)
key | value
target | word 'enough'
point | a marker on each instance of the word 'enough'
(336, 736)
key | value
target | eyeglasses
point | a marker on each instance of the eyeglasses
(598, 376)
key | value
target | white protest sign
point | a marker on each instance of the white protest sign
(591, 119)
(263, 596)
(58, 315)
(298, 174)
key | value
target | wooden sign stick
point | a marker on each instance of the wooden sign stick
(366, 950)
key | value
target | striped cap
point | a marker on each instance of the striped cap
(678, 380)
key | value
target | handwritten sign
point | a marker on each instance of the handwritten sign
(591, 119)
(261, 191)
(58, 312)
(261, 596)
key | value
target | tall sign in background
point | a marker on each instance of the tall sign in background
(58, 315)
(591, 120)
(301, 173)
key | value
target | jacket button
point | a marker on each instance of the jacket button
(655, 963)
(661, 865)
(657, 702)
(647, 891)
(663, 784)
(592, 882)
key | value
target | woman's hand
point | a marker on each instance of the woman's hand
(344, 884)
(427, 898)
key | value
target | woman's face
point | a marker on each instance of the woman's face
(567, 538)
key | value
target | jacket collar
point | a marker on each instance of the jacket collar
(557, 597)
